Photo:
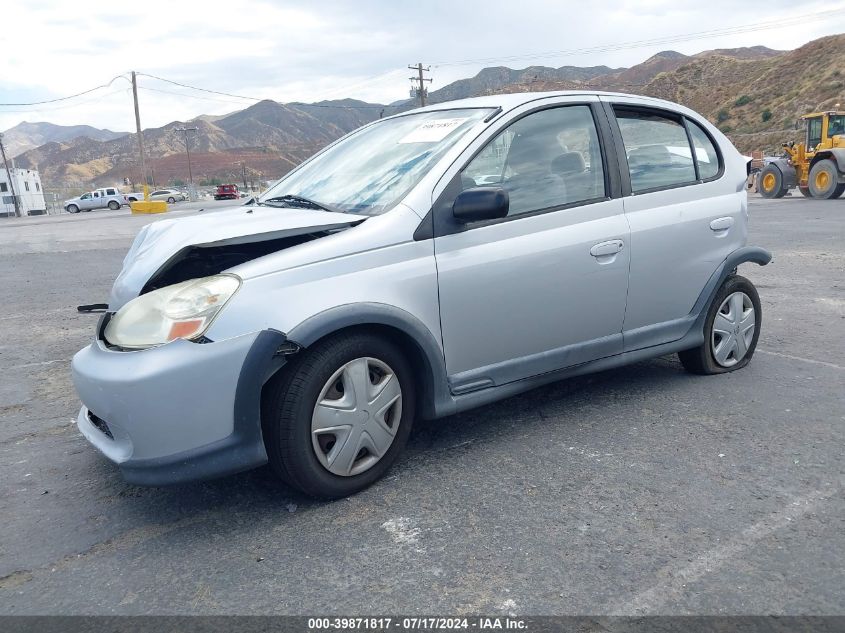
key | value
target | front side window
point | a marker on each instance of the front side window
(85, 196)
(657, 148)
(370, 171)
(705, 152)
(547, 159)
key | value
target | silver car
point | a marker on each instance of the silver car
(168, 195)
(379, 282)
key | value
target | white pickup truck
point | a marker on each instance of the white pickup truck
(107, 197)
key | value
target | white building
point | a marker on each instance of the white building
(27, 187)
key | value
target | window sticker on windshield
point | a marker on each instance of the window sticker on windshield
(432, 131)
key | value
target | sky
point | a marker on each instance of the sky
(310, 51)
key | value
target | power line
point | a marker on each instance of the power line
(294, 103)
(189, 96)
(73, 96)
(747, 28)
(71, 105)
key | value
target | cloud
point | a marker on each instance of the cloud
(306, 51)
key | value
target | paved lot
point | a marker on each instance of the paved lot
(640, 490)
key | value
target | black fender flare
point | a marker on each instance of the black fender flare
(742, 255)
(790, 178)
(835, 153)
(436, 400)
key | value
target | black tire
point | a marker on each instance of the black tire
(288, 403)
(171, 200)
(805, 191)
(840, 189)
(823, 179)
(72, 208)
(770, 183)
(114, 206)
(700, 360)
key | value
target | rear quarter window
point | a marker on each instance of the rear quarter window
(706, 156)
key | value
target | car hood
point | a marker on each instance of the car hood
(159, 243)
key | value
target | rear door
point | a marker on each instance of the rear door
(545, 287)
(685, 217)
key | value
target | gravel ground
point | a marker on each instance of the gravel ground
(638, 490)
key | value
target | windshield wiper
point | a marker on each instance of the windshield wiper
(300, 201)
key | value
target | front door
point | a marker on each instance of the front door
(545, 287)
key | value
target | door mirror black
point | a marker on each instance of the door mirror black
(481, 203)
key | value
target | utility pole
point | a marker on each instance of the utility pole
(140, 135)
(421, 90)
(243, 168)
(185, 131)
(11, 182)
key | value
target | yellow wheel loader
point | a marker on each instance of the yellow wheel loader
(816, 166)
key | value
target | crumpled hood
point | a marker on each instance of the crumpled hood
(158, 242)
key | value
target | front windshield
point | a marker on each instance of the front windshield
(372, 170)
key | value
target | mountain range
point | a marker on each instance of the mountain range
(754, 94)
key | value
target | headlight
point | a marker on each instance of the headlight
(182, 310)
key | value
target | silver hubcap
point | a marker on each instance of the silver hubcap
(356, 416)
(733, 329)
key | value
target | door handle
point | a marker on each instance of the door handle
(603, 249)
(722, 224)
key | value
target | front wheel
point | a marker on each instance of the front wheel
(337, 418)
(731, 330)
(72, 208)
(770, 183)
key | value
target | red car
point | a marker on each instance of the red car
(227, 192)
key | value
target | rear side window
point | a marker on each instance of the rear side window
(705, 152)
(657, 148)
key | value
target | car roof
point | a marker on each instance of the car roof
(516, 99)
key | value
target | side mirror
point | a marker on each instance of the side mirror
(481, 203)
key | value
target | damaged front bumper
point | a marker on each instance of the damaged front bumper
(178, 412)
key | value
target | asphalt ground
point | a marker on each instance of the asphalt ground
(638, 490)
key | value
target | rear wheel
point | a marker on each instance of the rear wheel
(770, 183)
(823, 179)
(731, 330)
(338, 417)
(114, 205)
(171, 200)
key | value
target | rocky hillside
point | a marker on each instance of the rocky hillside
(26, 135)
(270, 137)
(754, 94)
(758, 101)
(493, 80)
